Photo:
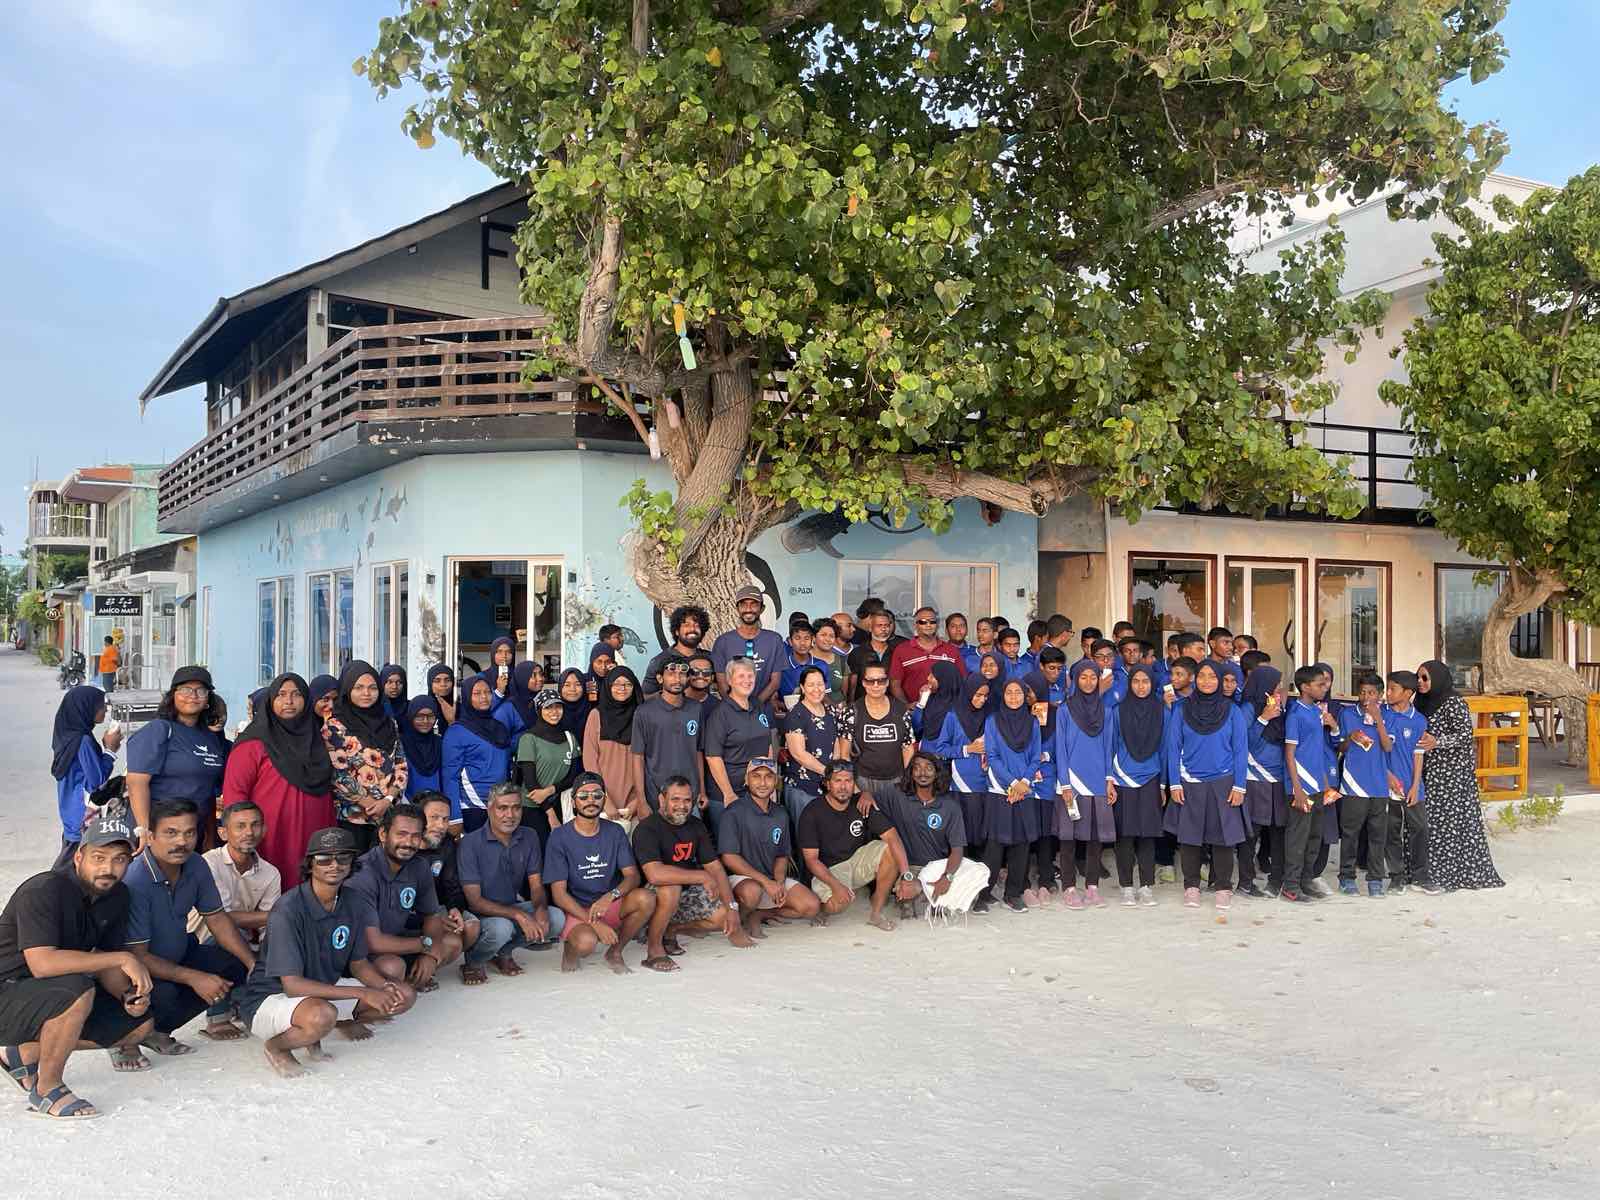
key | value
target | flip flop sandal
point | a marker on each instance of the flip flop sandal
(79, 1110)
(431, 986)
(127, 1059)
(11, 1060)
(660, 963)
(171, 1048)
(673, 947)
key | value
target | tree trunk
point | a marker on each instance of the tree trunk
(1505, 673)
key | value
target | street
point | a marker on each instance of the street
(1411, 1047)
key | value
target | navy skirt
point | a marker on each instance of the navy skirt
(1095, 822)
(1008, 823)
(1266, 804)
(1206, 818)
(1137, 812)
(975, 814)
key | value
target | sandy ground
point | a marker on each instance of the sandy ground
(1411, 1047)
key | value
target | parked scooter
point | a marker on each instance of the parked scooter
(72, 670)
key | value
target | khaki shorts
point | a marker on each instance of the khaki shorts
(766, 900)
(276, 1013)
(860, 869)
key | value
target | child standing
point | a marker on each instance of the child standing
(960, 740)
(1207, 751)
(1364, 786)
(1265, 798)
(1136, 728)
(1083, 759)
(1013, 752)
(1047, 688)
(1308, 764)
(1407, 837)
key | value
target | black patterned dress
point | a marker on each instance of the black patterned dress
(1458, 847)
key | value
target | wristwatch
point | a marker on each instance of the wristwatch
(427, 942)
(906, 877)
(616, 893)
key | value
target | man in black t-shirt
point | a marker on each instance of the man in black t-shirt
(845, 849)
(65, 979)
(440, 854)
(679, 860)
(874, 651)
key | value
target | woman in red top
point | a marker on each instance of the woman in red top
(280, 763)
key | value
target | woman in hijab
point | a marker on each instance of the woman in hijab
(178, 756)
(419, 734)
(476, 754)
(1266, 801)
(527, 681)
(502, 657)
(1046, 686)
(324, 690)
(928, 719)
(441, 687)
(1458, 849)
(1207, 749)
(992, 666)
(1013, 751)
(1087, 790)
(1137, 725)
(392, 683)
(607, 746)
(369, 763)
(547, 762)
(601, 659)
(960, 740)
(280, 764)
(572, 687)
(77, 762)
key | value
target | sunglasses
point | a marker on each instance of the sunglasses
(877, 680)
(701, 673)
(922, 622)
(589, 795)
(328, 860)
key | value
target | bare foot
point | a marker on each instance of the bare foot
(506, 965)
(881, 922)
(354, 1031)
(472, 975)
(618, 967)
(315, 1053)
(284, 1063)
(752, 926)
(224, 1031)
(569, 958)
(821, 918)
(740, 939)
(128, 1058)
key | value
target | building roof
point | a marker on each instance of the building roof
(95, 485)
(182, 369)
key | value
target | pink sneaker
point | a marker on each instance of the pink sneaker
(1224, 900)
(1071, 899)
(1093, 896)
(1191, 897)
(1030, 898)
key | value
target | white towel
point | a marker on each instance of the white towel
(971, 877)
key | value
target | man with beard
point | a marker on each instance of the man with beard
(439, 852)
(500, 864)
(314, 975)
(409, 937)
(688, 625)
(702, 678)
(249, 886)
(679, 860)
(165, 883)
(876, 651)
(753, 838)
(666, 735)
(846, 849)
(928, 818)
(763, 647)
(66, 983)
(594, 881)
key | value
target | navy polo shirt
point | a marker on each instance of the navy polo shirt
(305, 939)
(159, 914)
(760, 838)
(500, 871)
(400, 898)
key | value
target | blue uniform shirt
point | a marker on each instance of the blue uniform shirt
(1405, 727)
(1125, 769)
(306, 940)
(468, 767)
(500, 871)
(589, 866)
(399, 898)
(183, 763)
(1007, 765)
(966, 770)
(1312, 754)
(1083, 762)
(91, 768)
(1199, 757)
(1266, 758)
(159, 914)
(1365, 772)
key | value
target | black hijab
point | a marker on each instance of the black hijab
(484, 724)
(971, 719)
(371, 726)
(946, 694)
(1263, 681)
(74, 722)
(616, 716)
(1016, 725)
(492, 671)
(321, 685)
(295, 748)
(1141, 718)
(1088, 709)
(596, 651)
(521, 698)
(1207, 712)
(423, 750)
(1441, 686)
(542, 729)
(434, 672)
(395, 707)
(577, 711)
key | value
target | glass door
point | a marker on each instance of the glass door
(519, 598)
(1263, 600)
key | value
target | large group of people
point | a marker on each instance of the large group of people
(317, 872)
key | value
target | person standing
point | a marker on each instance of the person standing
(1308, 764)
(1407, 841)
(110, 660)
(369, 763)
(1088, 789)
(607, 747)
(1458, 848)
(875, 734)
(1364, 803)
(738, 732)
(1137, 726)
(419, 735)
(825, 645)
(762, 648)
(1207, 753)
(547, 760)
(1013, 753)
(321, 692)
(688, 625)
(1266, 797)
(441, 684)
(666, 735)
(392, 686)
(78, 763)
(178, 756)
(960, 743)
(875, 650)
(476, 754)
(810, 737)
(911, 662)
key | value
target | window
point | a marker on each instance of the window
(391, 596)
(1352, 621)
(1264, 598)
(905, 586)
(274, 627)
(333, 603)
(1462, 608)
(1166, 595)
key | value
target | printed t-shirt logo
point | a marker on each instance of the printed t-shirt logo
(856, 827)
(408, 897)
(341, 937)
(935, 820)
(691, 727)
(437, 867)
(762, 717)
(777, 834)
(876, 734)
(682, 851)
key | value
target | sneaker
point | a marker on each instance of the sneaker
(1166, 875)
(1191, 897)
(1396, 886)
(1375, 888)
(1071, 899)
(981, 905)
(1092, 896)
(1348, 887)
(1250, 889)
(1316, 889)
(1224, 899)
(1015, 904)
(1147, 898)
(1431, 889)
(1286, 894)
(1030, 897)
(1130, 898)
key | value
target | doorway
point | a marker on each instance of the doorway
(1265, 600)
(519, 598)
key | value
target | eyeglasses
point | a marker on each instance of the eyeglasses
(328, 860)
(589, 794)
(926, 621)
(194, 692)
(875, 680)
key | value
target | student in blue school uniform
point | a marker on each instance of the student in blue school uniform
(1016, 665)
(475, 756)
(424, 747)
(960, 740)
(1364, 787)
(1308, 765)
(1103, 653)
(1013, 751)
(1037, 631)
(1266, 801)
(1207, 750)
(1137, 725)
(1331, 708)
(77, 762)
(1083, 762)
(1047, 688)
(1407, 836)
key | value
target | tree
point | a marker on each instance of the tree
(1504, 402)
(918, 252)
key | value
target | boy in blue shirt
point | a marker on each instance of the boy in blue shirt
(1364, 783)
(1407, 837)
(1308, 764)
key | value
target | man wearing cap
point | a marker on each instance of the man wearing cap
(500, 864)
(66, 982)
(747, 639)
(753, 839)
(595, 882)
(676, 853)
(410, 938)
(315, 974)
(845, 849)
(666, 735)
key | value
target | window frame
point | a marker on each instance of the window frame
(920, 596)
(282, 632)
(330, 665)
(1387, 649)
(1212, 587)
(1558, 621)
(399, 601)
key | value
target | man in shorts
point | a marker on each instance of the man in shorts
(594, 881)
(410, 938)
(679, 860)
(845, 849)
(315, 974)
(753, 838)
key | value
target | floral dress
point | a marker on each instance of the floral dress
(1458, 848)
(362, 773)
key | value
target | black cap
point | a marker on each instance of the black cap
(584, 778)
(185, 675)
(331, 841)
(108, 827)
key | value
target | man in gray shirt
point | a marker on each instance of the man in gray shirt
(666, 736)
(928, 818)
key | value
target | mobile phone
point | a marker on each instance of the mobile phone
(1105, 672)
(1166, 689)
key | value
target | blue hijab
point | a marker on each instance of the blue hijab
(394, 706)
(75, 720)
(423, 750)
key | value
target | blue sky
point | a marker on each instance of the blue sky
(162, 153)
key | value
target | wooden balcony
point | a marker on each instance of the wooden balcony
(389, 389)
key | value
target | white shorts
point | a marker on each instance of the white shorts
(276, 1013)
(766, 900)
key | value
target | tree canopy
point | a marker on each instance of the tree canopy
(921, 251)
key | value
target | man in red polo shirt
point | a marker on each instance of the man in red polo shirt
(912, 661)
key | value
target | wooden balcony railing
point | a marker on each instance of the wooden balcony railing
(378, 372)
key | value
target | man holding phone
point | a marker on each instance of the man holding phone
(66, 983)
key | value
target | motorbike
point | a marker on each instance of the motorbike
(72, 670)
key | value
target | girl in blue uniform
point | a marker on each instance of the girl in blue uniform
(1083, 762)
(1266, 802)
(960, 740)
(1207, 751)
(424, 747)
(77, 762)
(1047, 688)
(1013, 752)
(1136, 734)
(476, 754)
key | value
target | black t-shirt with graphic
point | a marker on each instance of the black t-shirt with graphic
(837, 835)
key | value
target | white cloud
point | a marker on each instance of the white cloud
(156, 32)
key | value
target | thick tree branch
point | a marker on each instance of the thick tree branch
(787, 14)
(1031, 496)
